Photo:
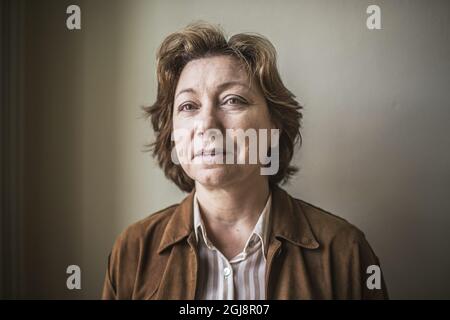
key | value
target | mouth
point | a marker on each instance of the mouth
(210, 153)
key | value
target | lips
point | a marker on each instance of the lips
(211, 152)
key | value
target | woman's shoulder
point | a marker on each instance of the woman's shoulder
(153, 223)
(346, 251)
(140, 239)
(330, 228)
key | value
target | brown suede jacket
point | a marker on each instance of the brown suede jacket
(312, 254)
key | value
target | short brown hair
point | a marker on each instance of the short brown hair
(258, 56)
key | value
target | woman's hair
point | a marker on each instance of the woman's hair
(257, 55)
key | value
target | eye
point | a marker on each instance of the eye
(186, 107)
(235, 100)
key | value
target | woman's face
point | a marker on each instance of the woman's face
(213, 96)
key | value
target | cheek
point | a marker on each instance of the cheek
(183, 147)
(253, 121)
(256, 118)
(181, 139)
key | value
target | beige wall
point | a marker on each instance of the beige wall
(376, 142)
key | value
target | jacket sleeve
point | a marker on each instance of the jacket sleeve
(367, 271)
(122, 266)
(357, 269)
(109, 292)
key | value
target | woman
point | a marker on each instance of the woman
(237, 235)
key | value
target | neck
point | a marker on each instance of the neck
(238, 203)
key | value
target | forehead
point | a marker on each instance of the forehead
(212, 71)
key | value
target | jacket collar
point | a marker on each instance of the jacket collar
(287, 219)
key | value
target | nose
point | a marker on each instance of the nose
(209, 128)
(209, 120)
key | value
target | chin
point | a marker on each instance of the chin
(214, 176)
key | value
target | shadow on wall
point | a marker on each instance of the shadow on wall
(70, 149)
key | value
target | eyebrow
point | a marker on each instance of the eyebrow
(221, 86)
